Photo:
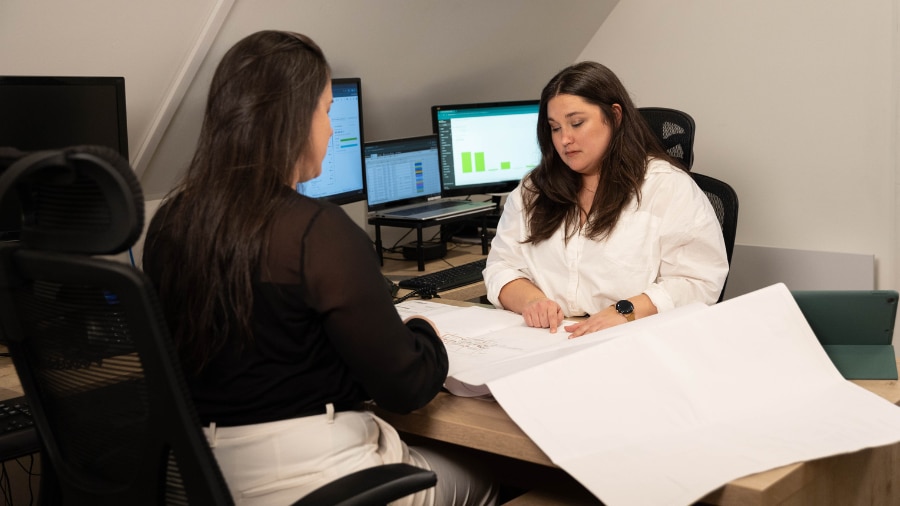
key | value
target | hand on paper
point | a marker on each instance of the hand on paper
(609, 317)
(605, 319)
(420, 317)
(543, 313)
(523, 296)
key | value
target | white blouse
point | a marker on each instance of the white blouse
(670, 248)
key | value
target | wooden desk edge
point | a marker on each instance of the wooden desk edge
(450, 419)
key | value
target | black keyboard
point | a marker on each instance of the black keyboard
(18, 436)
(461, 275)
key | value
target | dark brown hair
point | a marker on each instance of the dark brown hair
(255, 128)
(550, 191)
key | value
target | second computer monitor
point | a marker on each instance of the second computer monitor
(342, 179)
(485, 147)
(55, 112)
(401, 171)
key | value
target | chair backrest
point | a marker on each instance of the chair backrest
(674, 129)
(724, 201)
(89, 344)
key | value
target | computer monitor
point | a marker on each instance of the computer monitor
(342, 180)
(42, 112)
(52, 112)
(401, 171)
(485, 147)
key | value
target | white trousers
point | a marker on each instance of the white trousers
(276, 463)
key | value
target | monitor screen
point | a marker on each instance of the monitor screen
(342, 180)
(44, 112)
(486, 147)
(38, 112)
(402, 171)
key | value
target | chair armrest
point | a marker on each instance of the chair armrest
(372, 486)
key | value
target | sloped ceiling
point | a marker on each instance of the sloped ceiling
(410, 55)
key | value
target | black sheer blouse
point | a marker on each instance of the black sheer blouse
(325, 328)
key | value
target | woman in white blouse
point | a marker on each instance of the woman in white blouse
(608, 225)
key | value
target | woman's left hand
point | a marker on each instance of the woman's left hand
(609, 317)
(604, 319)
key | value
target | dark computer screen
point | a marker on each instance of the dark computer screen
(485, 147)
(49, 112)
(40, 112)
(342, 180)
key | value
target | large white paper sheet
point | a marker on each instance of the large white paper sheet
(680, 406)
(478, 338)
(484, 344)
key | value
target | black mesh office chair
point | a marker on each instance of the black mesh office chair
(725, 202)
(675, 130)
(94, 356)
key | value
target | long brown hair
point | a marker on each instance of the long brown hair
(551, 189)
(255, 128)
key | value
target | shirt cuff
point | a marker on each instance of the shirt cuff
(660, 298)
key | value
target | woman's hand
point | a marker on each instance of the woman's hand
(524, 297)
(609, 317)
(426, 320)
(543, 313)
(604, 319)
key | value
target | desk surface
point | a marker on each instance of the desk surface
(863, 477)
(9, 380)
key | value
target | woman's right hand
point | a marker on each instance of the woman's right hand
(543, 313)
(426, 320)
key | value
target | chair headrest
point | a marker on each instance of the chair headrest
(83, 199)
(674, 129)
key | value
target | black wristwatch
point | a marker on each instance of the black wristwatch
(625, 308)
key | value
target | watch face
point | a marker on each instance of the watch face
(624, 307)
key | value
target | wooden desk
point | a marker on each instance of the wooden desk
(397, 269)
(864, 477)
(9, 380)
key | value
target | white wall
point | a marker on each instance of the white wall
(146, 42)
(796, 107)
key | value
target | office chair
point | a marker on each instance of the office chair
(724, 201)
(675, 130)
(94, 356)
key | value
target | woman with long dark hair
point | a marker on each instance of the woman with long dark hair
(607, 225)
(276, 301)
